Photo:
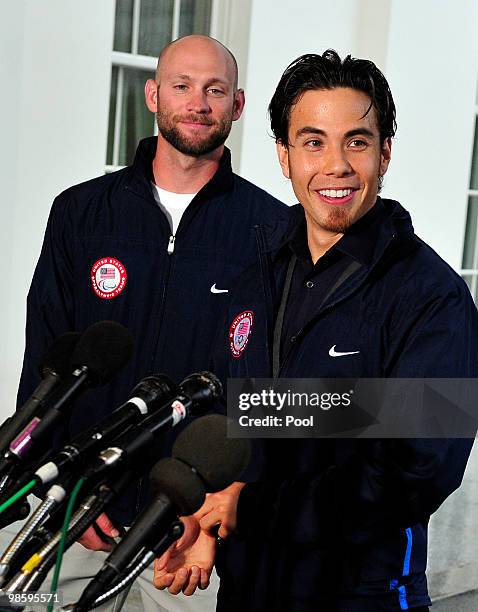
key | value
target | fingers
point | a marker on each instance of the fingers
(162, 580)
(107, 526)
(92, 541)
(161, 563)
(180, 581)
(185, 580)
(207, 506)
(204, 580)
(193, 582)
(218, 516)
(191, 532)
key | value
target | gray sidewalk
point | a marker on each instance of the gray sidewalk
(466, 602)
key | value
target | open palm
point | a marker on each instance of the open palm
(186, 569)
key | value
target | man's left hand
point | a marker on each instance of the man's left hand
(186, 569)
(221, 509)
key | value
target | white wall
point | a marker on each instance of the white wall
(11, 55)
(281, 30)
(432, 67)
(56, 72)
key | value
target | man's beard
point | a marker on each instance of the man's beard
(196, 147)
(337, 221)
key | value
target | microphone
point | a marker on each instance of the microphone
(147, 397)
(55, 368)
(200, 464)
(101, 351)
(221, 460)
(178, 491)
(196, 394)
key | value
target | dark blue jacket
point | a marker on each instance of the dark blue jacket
(167, 302)
(342, 524)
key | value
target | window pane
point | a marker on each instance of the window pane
(470, 258)
(123, 25)
(195, 17)
(474, 163)
(112, 114)
(155, 26)
(136, 120)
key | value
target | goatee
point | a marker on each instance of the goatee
(194, 146)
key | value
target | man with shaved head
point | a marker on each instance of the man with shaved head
(156, 247)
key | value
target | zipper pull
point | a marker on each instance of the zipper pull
(171, 245)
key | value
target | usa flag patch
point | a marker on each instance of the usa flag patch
(108, 277)
(240, 331)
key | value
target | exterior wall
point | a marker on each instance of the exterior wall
(56, 71)
(432, 66)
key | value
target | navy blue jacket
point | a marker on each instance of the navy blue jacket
(167, 301)
(342, 524)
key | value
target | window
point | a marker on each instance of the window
(470, 250)
(142, 29)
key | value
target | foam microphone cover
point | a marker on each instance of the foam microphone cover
(104, 348)
(179, 483)
(58, 354)
(204, 445)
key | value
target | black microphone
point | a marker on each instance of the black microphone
(196, 394)
(55, 367)
(147, 397)
(200, 464)
(221, 460)
(178, 491)
(101, 351)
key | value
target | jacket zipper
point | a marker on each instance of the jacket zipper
(171, 244)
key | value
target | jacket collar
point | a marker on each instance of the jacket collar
(140, 173)
(366, 240)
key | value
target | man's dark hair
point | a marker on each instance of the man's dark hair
(328, 71)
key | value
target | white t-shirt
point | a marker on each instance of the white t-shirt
(173, 205)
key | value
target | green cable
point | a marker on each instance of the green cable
(61, 544)
(23, 491)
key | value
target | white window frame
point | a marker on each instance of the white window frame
(473, 271)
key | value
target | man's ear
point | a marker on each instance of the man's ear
(385, 155)
(239, 101)
(151, 95)
(283, 155)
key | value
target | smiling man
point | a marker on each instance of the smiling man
(339, 525)
(335, 157)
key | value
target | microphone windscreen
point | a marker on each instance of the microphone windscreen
(181, 485)
(104, 348)
(58, 355)
(204, 445)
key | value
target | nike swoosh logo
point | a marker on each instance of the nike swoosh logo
(214, 290)
(334, 353)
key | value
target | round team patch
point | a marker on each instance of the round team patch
(240, 331)
(108, 277)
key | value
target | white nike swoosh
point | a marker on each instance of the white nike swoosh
(214, 290)
(334, 353)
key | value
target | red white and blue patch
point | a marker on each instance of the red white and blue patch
(108, 278)
(240, 331)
